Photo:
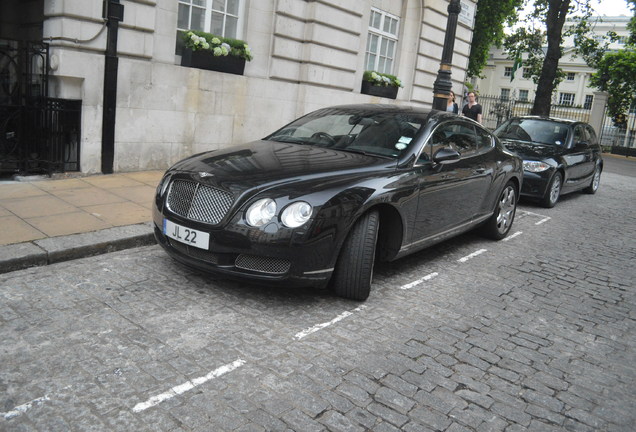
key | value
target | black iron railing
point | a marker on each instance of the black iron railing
(38, 134)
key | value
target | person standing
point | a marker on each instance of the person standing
(472, 109)
(452, 106)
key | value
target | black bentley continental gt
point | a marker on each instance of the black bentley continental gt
(559, 156)
(319, 200)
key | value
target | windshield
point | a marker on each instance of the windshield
(534, 130)
(385, 134)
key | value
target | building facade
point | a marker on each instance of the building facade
(306, 55)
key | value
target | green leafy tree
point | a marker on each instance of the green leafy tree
(490, 19)
(540, 40)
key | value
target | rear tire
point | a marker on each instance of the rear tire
(354, 269)
(553, 192)
(500, 223)
(596, 181)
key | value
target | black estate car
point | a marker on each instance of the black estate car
(559, 156)
(321, 199)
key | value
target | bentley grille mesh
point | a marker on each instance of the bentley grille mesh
(262, 264)
(198, 202)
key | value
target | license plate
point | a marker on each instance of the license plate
(186, 235)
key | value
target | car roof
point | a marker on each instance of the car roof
(386, 108)
(553, 119)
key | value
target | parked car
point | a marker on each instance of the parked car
(317, 201)
(559, 156)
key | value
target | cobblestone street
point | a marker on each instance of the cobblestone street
(536, 332)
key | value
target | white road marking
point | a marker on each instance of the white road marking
(317, 327)
(545, 219)
(510, 237)
(533, 214)
(472, 255)
(182, 388)
(419, 281)
(21, 409)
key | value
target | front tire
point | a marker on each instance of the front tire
(354, 269)
(500, 223)
(553, 192)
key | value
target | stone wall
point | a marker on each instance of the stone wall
(307, 55)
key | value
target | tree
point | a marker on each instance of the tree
(543, 48)
(490, 19)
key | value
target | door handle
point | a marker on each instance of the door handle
(480, 170)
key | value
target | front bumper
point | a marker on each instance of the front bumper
(267, 255)
(535, 185)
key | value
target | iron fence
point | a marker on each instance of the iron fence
(37, 133)
(497, 109)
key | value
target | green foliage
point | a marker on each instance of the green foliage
(381, 79)
(615, 75)
(527, 44)
(490, 20)
(198, 40)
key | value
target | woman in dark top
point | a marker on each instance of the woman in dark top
(452, 106)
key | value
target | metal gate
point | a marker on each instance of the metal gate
(38, 134)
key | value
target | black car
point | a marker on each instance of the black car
(559, 156)
(321, 199)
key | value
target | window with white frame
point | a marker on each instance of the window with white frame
(527, 73)
(219, 17)
(381, 41)
(505, 94)
(571, 76)
(589, 99)
(508, 71)
(566, 99)
(523, 95)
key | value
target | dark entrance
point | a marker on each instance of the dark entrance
(38, 134)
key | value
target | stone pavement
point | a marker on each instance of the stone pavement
(46, 220)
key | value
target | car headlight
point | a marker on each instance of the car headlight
(296, 214)
(261, 212)
(535, 166)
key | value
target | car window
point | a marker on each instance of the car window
(484, 139)
(457, 136)
(534, 130)
(379, 133)
(580, 135)
(591, 134)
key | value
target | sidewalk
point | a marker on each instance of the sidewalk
(46, 220)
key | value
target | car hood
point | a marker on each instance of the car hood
(531, 150)
(264, 164)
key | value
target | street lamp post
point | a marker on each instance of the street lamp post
(443, 83)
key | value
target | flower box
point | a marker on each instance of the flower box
(389, 92)
(203, 59)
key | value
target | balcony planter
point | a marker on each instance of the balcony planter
(207, 51)
(203, 59)
(380, 84)
(389, 92)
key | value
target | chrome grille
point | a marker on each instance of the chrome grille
(262, 264)
(198, 202)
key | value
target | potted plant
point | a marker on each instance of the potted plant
(380, 84)
(207, 51)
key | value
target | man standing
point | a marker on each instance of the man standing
(472, 109)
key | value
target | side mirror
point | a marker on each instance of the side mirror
(581, 145)
(446, 155)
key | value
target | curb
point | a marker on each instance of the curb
(64, 248)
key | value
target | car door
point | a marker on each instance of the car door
(450, 194)
(578, 158)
